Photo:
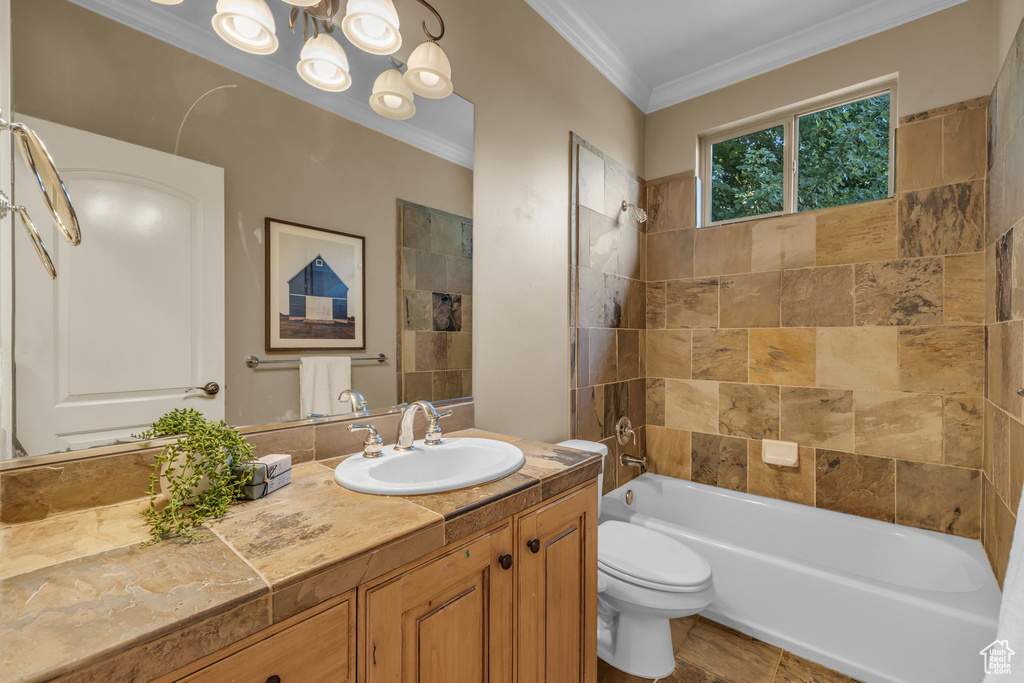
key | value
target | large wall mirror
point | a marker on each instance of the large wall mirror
(229, 209)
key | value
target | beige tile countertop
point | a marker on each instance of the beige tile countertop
(81, 600)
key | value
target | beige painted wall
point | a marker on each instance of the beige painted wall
(942, 58)
(282, 157)
(1006, 17)
(529, 88)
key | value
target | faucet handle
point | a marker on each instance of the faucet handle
(433, 437)
(373, 445)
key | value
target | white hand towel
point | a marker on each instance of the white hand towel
(321, 380)
(1010, 633)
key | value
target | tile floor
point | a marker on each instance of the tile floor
(707, 652)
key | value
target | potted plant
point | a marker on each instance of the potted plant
(194, 474)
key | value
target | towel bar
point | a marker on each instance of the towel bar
(254, 361)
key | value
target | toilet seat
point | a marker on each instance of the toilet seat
(644, 557)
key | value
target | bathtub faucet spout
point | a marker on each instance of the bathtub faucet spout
(627, 460)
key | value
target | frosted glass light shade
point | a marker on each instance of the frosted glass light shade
(323, 64)
(391, 97)
(246, 24)
(302, 3)
(167, 2)
(430, 73)
(372, 26)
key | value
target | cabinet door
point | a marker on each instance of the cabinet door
(556, 582)
(446, 621)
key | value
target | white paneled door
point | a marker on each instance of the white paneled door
(136, 314)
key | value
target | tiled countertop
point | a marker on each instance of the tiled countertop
(80, 599)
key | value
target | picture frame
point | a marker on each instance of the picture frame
(315, 288)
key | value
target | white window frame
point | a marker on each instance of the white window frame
(789, 118)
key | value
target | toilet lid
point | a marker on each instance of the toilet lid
(651, 557)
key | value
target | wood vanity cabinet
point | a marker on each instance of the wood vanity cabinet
(516, 603)
(556, 585)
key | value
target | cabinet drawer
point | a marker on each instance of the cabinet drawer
(321, 648)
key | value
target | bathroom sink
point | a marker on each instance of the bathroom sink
(454, 464)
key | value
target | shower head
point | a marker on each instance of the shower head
(639, 214)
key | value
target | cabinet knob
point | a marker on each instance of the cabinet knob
(534, 545)
(505, 561)
(274, 679)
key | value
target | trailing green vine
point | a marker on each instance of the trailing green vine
(204, 449)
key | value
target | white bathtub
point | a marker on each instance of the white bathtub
(879, 602)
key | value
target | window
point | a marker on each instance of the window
(809, 158)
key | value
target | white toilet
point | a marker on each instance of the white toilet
(644, 579)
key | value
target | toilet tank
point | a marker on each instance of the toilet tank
(594, 447)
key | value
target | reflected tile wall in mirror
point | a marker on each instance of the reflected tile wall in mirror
(435, 287)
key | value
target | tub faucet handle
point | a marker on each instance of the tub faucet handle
(624, 431)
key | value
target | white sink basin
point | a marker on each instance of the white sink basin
(454, 464)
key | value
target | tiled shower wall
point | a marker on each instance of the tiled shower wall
(1004, 310)
(608, 311)
(435, 287)
(857, 332)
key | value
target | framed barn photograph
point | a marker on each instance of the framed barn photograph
(316, 288)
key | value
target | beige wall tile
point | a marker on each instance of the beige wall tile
(668, 353)
(997, 530)
(591, 180)
(719, 461)
(991, 287)
(818, 297)
(963, 425)
(939, 498)
(942, 220)
(628, 354)
(965, 145)
(1016, 457)
(750, 300)
(691, 405)
(1006, 365)
(898, 425)
(964, 289)
(783, 356)
(656, 401)
(670, 255)
(795, 484)
(817, 417)
(299, 442)
(856, 233)
(919, 155)
(997, 452)
(783, 242)
(856, 484)
(603, 356)
(857, 358)
(656, 305)
(671, 204)
(668, 452)
(723, 250)
(692, 303)
(943, 360)
(906, 292)
(720, 355)
(748, 410)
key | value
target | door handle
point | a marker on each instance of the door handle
(210, 389)
(534, 545)
(505, 561)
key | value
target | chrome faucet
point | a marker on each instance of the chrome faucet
(355, 400)
(627, 460)
(405, 429)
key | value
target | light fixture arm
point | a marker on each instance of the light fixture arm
(433, 11)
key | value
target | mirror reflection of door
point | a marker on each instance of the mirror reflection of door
(136, 315)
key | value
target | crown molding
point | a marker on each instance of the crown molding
(566, 17)
(182, 34)
(862, 22)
